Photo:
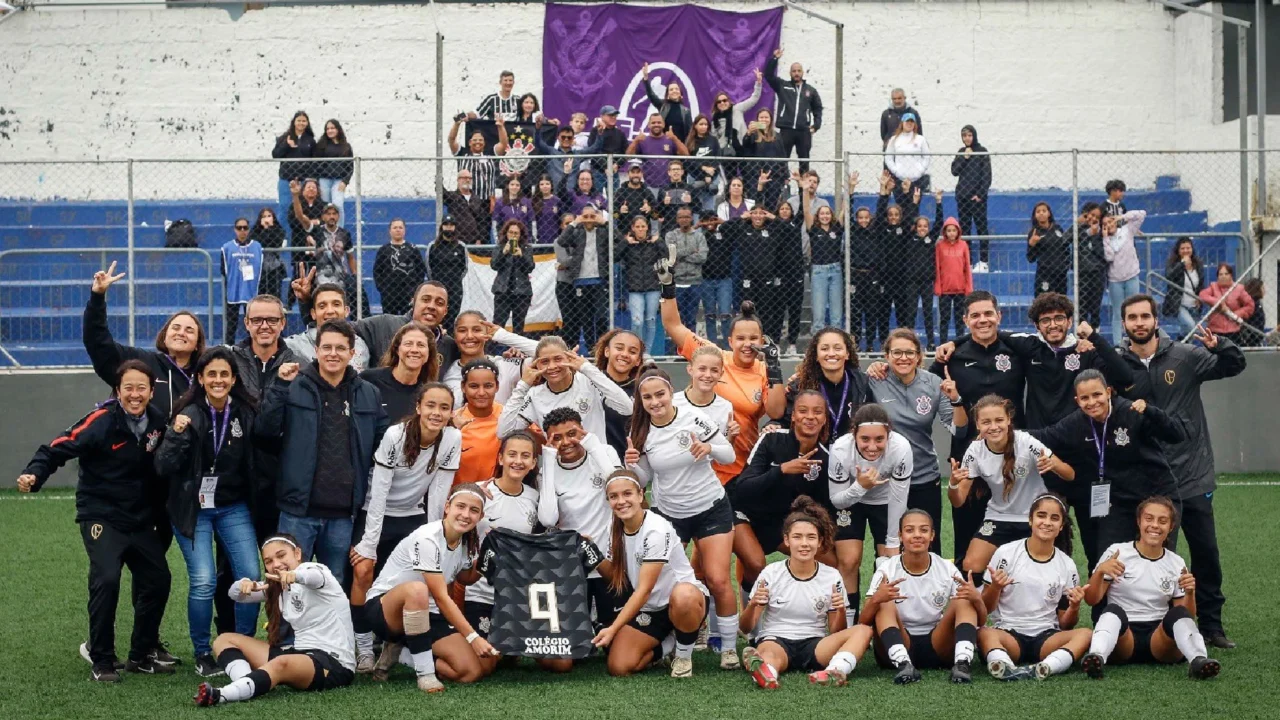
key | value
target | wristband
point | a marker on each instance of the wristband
(957, 402)
(668, 291)
(472, 637)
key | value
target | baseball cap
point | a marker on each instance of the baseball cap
(447, 220)
(908, 116)
(608, 110)
(635, 163)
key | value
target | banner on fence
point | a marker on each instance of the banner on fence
(592, 56)
(544, 311)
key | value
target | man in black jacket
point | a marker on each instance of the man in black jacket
(890, 118)
(589, 282)
(1168, 374)
(633, 198)
(799, 109)
(116, 446)
(328, 423)
(447, 262)
(469, 210)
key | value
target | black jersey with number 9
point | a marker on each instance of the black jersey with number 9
(540, 603)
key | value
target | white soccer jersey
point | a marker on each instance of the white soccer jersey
(896, 463)
(590, 391)
(572, 498)
(317, 609)
(425, 550)
(1030, 604)
(683, 486)
(797, 607)
(989, 466)
(513, 512)
(401, 490)
(925, 596)
(1148, 586)
(718, 410)
(657, 542)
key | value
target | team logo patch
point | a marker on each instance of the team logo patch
(1122, 437)
(939, 599)
(95, 531)
(1169, 377)
(235, 428)
(296, 602)
(741, 516)
(1072, 362)
(756, 397)
(583, 405)
(643, 619)
(1021, 471)
(923, 405)
(153, 439)
(820, 605)
(1002, 363)
(1166, 584)
(597, 481)
(900, 471)
(843, 518)
(485, 623)
(988, 529)
(1052, 593)
(684, 441)
(813, 473)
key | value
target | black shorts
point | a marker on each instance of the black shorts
(801, 654)
(768, 533)
(852, 522)
(329, 673)
(657, 623)
(480, 615)
(440, 628)
(999, 532)
(715, 520)
(1142, 632)
(1029, 646)
(607, 602)
(923, 655)
(394, 529)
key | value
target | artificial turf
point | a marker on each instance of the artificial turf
(42, 603)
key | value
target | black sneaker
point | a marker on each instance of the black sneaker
(907, 673)
(149, 666)
(1220, 641)
(206, 695)
(160, 654)
(206, 666)
(961, 673)
(1203, 668)
(105, 672)
(1092, 665)
(84, 653)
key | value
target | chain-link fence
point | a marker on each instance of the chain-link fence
(567, 243)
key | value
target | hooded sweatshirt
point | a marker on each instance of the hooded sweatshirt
(973, 172)
(954, 276)
(1119, 249)
(907, 156)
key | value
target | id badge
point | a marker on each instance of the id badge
(1100, 500)
(246, 272)
(208, 489)
(746, 284)
(578, 292)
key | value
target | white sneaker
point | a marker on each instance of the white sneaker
(364, 664)
(1042, 670)
(430, 684)
(682, 667)
(704, 633)
(387, 660)
(980, 267)
(729, 660)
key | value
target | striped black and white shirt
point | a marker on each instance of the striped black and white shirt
(484, 170)
(508, 108)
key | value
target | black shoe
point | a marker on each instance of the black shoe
(105, 672)
(84, 653)
(961, 673)
(206, 695)
(160, 654)
(149, 666)
(1092, 665)
(1220, 641)
(206, 666)
(1203, 668)
(907, 673)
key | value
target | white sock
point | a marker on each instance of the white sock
(1188, 639)
(406, 657)
(964, 651)
(237, 669)
(1059, 661)
(683, 650)
(898, 654)
(1105, 634)
(668, 644)
(843, 663)
(850, 616)
(999, 655)
(364, 643)
(241, 689)
(424, 663)
(728, 631)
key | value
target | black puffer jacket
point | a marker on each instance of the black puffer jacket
(512, 271)
(973, 172)
(304, 148)
(638, 259)
(330, 168)
(182, 462)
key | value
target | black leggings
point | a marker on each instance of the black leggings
(790, 303)
(515, 307)
(974, 214)
(907, 296)
(950, 313)
(1092, 286)
(868, 309)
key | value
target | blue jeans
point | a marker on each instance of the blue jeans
(644, 318)
(1186, 321)
(688, 298)
(1118, 291)
(717, 304)
(827, 290)
(235, 526)
(329, 539)
(285, 211)
(330, 193)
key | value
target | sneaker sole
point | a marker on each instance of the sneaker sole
(1209, 670)
(1092, 666)
(764, 681)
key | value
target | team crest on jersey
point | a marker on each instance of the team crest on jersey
(485, 624)
(1169, 377)
(684, 440)
(813, 473)
(900, 471)
(843, 518)
(235, 428)
(597, 481)
(1122, 437)
(820, 605)
(1002, 363)
(923, 405)
(583, 406)
(756, 397)
(1072, 362)
(153, 439)
(988, 529)
(1052, 593)
(939, 599)
(532, 518)
(296, 601)
(1021, 471)
(643, 619)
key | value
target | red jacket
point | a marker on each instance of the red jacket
(953, 276)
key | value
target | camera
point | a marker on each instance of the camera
(460, 117)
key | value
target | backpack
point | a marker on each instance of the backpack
(181, 234)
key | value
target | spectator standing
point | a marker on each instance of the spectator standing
(1254, 330)
(269, 233)
(807, 185)
(241, 270)
(530, 110)
(585, 193)
(334, 256)
(787, 231)
(502, 104)
(478, 158)
(1184, 279)
(954, 278)
(736, 203)
(1115, 198)
(304, 214)
(297, 143)
(1050, 249)
(717, 277)
(1092, 271)
(676, 117)
(469, 210)
(918, 283)
(867, 321)
(1122, 262)
(335, 175)
(510, 204)
(891, 118)
(704, 175)
(512, 289)
(826, 255)
(760, 272)
(673, 196)
(546, 211)
(634, 197)
(766, 180)
(583, 276)
(907, 158)
(328, 302)
(799, 110)
(561, 163)
(1228, 318)
(701, 142)
(895, 250)
(658, 144)
(612, 140)
(398, 269)
(728, 120)
(447, 261)
(638, 251)
(689, 246)
(972, 168)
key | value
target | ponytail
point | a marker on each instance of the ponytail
(746, 313)
(617, 536)
(641, 420)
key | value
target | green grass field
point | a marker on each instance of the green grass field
(42, 602)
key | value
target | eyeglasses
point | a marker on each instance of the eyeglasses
(268, 321)
(242, 227)
(333, 349)
(722, 101)
(1054, 320)
(902, 354)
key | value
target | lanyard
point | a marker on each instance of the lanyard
(1100, 443)
(174, 363)
(219, 434)
(844, 396)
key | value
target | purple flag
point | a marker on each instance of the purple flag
(592, 55)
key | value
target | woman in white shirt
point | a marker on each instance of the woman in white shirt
(1150, 612)
(472, 332)
(1033, 592)
(797, 608)
(907, 158)
(309, 599)
(559, 377)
